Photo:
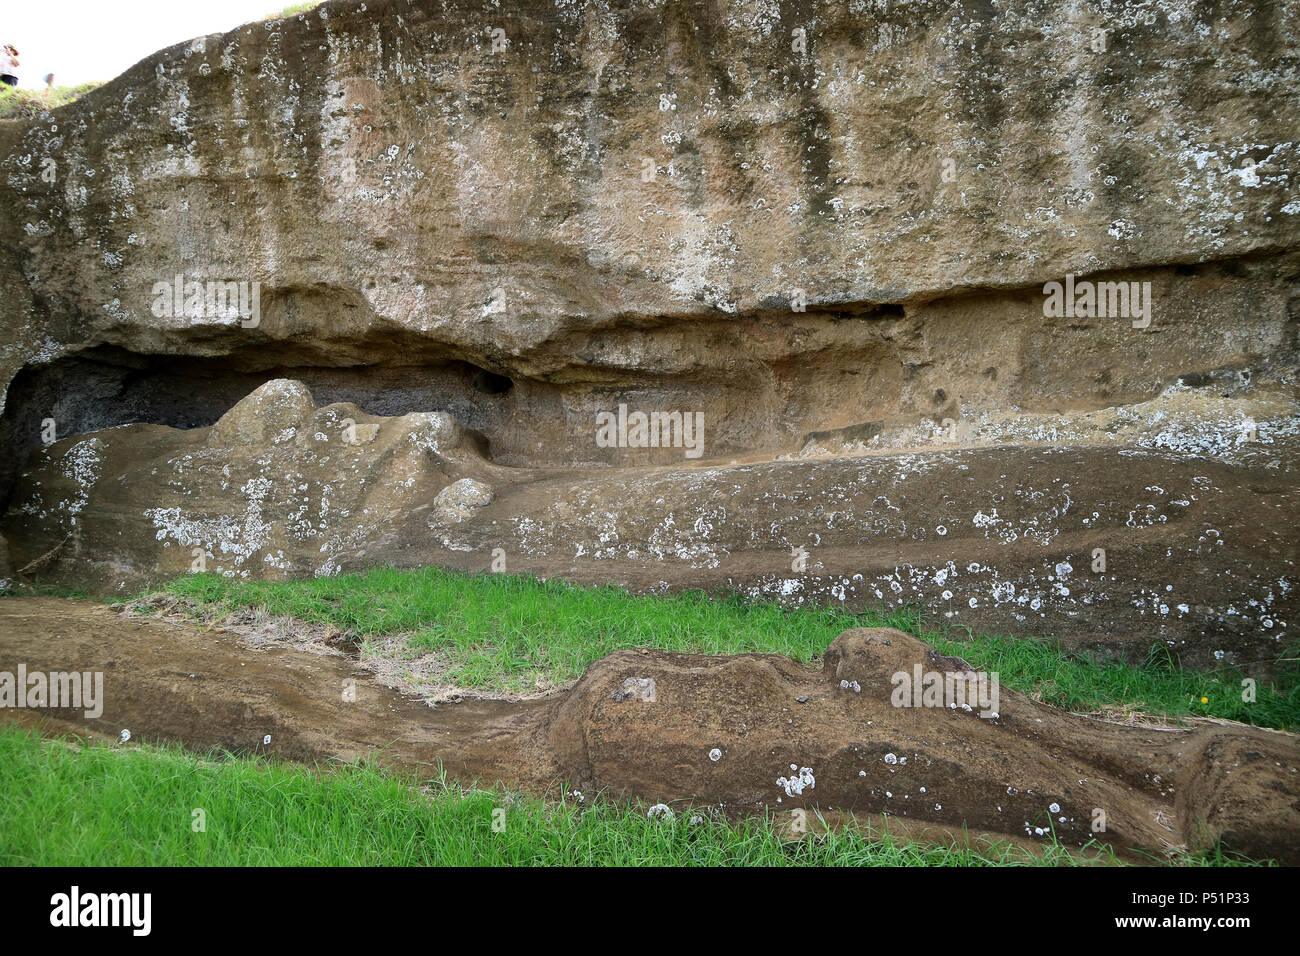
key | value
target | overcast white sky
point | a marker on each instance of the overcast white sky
(83, 40)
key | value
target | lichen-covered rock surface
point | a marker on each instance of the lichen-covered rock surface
(811, 246)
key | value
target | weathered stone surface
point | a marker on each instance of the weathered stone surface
(8, 579)
(792, 739)
(425, 215)
(740, 735)
(276, 487)
(458, 501)
(441, 231)
(1180, 537)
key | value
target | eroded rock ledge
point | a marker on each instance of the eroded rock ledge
(440, 222)
(1180, 537)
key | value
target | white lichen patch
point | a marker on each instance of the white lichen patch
(799, 780)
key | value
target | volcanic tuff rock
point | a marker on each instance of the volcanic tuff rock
(738, 734)
(826, 226)
(789, 738)
(275, 487)
(434, 224)
(1112, 548)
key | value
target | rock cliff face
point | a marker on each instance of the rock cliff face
(824, 228)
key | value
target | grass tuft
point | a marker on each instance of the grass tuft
(27, 104)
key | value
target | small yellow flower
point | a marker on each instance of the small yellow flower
(1205, 700)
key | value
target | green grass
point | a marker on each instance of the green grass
(27, 104)
(503, 633)
(293, 10)
(74, 803)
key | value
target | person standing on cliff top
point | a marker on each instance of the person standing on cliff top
(9, 65)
